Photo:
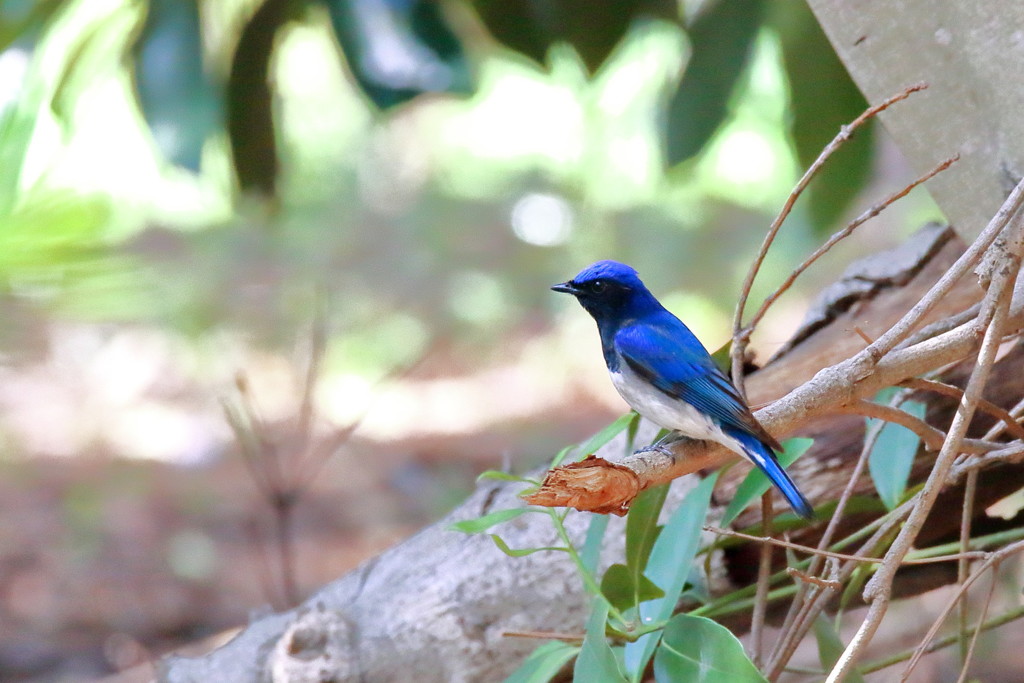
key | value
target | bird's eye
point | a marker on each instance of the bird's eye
(598, 286)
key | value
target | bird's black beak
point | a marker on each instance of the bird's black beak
(567, 287)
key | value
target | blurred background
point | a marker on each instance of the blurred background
(274, 274)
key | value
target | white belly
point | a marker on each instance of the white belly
(667, 412)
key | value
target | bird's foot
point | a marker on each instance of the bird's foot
(660, 449)
(664, 445)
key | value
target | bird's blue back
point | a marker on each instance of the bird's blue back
(641, 334)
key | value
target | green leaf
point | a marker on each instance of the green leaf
(723, 359)
(597, 661)
(756, 483)
(544, 663)
(668, 566)
(634, 427)
(592, 27)
(892, 457)
(698, 649)
(647, 590)
(479, 524)
(823, 98)
(177, 95)
(498, 475)
(22, 21)
(591, 551)
(830, 648)
(398, 50)
(609, 433)
(18, 120)
(57, 243)
(721, 38)
(88, 55)
(625, 589)
(562, 454)
(617, 585)
(642, 526)
(521, 552)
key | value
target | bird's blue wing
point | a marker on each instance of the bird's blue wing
(671, 358)
(668, 356)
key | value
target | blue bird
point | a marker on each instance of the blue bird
(664, 373)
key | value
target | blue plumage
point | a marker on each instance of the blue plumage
(664, 373)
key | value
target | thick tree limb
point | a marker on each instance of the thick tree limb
(601, 487)
(439, 603)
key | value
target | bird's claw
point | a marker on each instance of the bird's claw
(661, 449)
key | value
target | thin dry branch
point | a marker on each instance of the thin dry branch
(993, 318)
(1011, 425)
(764, 575)
(992, 563)
(937, 645)
(966, 517)
(1011, 454)
(930, 436)
(789, 638)
(901, 330)
(782, 543)
(939, 326)
(600, 485)
(998, 428)
(813, 580)
(739, 344)
(546, 635)
(969, 654)
(835, 239)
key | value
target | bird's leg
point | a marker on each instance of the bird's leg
(663, 445)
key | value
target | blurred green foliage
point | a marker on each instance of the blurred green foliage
(422, 165)
(823, 99)
(177, 95)
(721, 41)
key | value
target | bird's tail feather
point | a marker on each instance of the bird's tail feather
(765, 460)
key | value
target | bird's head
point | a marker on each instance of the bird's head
(609, 289)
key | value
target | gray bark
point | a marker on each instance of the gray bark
(436, 606)
(971, 55)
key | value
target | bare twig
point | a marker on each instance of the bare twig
(966, 515)
(902, 329)
(307, 405)
(546, 635)
(764, 574)
(940, 326)
(992, 563)
(977, 629)
(1012, 453)
(931, 436)
(863, 335)
(1010, 424)
(892, 660)
(770, 540)
(739, 344)
(835, 239)
(814, 580)
(790, 638)
(817, 598)
(264, 571)
(283, 475)
(995, 310)
(998, 428)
